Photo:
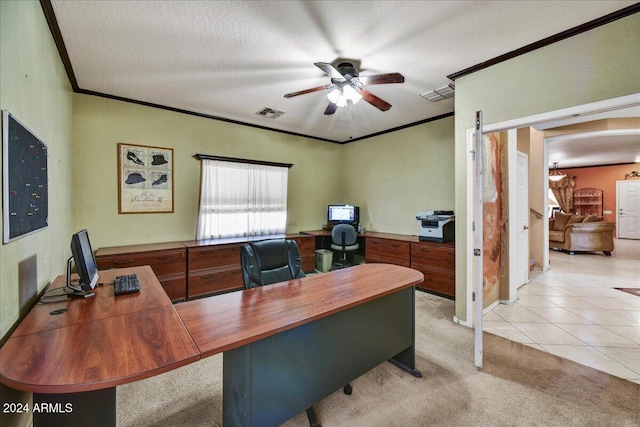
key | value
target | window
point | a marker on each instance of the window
(241, 199)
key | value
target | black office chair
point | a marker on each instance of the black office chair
(272, 261)
(344, 240)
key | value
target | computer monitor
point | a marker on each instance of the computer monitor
(84, 261)
(343, 214)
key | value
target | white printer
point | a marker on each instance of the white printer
(436, 226)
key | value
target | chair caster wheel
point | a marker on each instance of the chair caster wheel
(347, 389)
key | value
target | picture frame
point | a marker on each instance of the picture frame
(145, 179)
(25, 181)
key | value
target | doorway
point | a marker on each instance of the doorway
(628, 209)
(583, 113)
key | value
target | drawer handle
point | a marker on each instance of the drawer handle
(425, 250)
(206, 252)
(129, 261)
(208, 276)
(162, 258)
(396, 245)
(427, 273)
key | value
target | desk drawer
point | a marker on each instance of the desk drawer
(215, 281)
(307, 248)
(433, 255)
(385, 250)
(175, 287)
(162, 263)
(437, 280)
(207, 257)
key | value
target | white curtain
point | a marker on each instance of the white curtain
(240, 199)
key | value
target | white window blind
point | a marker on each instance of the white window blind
(240, 199)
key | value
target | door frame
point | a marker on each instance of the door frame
(592, 111)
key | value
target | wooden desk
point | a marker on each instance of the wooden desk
(77, 358)
(290, 344)
(435, 260)
(309, 337)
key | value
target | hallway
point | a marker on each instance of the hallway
(573, 311)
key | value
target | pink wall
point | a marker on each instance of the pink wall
(604, 178)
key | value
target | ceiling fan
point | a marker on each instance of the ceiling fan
(347, 85)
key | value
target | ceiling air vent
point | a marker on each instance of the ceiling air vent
(440, 93)
(270, 113)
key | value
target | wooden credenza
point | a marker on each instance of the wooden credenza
(167, 260)
(391, 249)
(196, 268)
(435, 260)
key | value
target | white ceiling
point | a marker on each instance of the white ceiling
(230, 59)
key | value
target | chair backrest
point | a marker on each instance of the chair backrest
(270, 261)
(346, 230)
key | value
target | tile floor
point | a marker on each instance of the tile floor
(572, 310)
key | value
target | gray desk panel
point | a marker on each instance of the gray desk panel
(269, 381)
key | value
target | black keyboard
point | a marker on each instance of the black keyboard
(126, 284)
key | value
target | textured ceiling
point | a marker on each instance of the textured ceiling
(230, 59)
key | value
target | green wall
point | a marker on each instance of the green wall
(394, 176)
(99, 124)
(35, 89)
(599, 64)
(387, 176)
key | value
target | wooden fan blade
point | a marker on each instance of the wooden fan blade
(380, 79)
(329, 69)
(331, 108)
(302, 92)
(379, 103)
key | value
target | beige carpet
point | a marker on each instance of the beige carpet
(518, 386)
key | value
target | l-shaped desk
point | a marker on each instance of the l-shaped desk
(344, 322)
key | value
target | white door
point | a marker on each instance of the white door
(523, 219)
(628, 201)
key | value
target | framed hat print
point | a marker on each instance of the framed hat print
(145, 179)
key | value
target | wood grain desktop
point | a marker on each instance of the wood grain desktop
(227, 321)
(79, 356)
(100, 342)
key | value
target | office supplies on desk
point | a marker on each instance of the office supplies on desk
(126, 284)
(437, 226)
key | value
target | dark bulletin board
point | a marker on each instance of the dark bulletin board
(24, 180)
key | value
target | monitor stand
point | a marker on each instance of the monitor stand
(76, 290)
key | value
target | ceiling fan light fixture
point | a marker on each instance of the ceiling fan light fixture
(340, 96)
(555, 174)
(351, 94)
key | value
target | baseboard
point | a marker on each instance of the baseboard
(462, 322)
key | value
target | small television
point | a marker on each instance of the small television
(85, 262)
(343, 214)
